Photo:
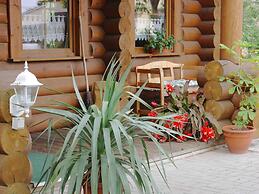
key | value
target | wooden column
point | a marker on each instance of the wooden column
(231, 24)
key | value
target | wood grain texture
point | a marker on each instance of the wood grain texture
(96, 33)
(190, 6)
(4, 51)
(220, 109)
(191, 47)
(191, 20)
(214, 90)
(190, 34)
(95, 17)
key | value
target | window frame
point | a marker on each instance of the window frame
(17, 53)
(169, 19)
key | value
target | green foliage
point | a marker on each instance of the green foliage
(244, 84)
(251, 22)
(159, 42)
(141, 7)
(100, 147)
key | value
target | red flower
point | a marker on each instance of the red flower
(187, 133)
(152, 114)
(178, 124)
(154, 104)
(181, 139)
(180, 120)
(207, 132)
(167, 125)
(169, 88)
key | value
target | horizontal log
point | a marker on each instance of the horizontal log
(236, 99)
(207, 3)
(225, 122)
(61, 85)
(5, 116)
(3, 1)
(191, 47)
(220, 109)
(206, 54)
(191, 33)
(124, 9)
(191, 20)
(188, 60)
(97, 49)
(3, 14)
(16, 188)
(95, 17)
(14, 168)
(39, 122)
(206, 27)
(51, 101)
(96, 34)
(12, 141)
(111, 26)
(111, 42)
(214, 90)
(234, 116)
(207, 41)
(58, 68)
(111, 9)
(190, 6)
(201, 79)
(207, 14)
(96, 4)
(3, 51)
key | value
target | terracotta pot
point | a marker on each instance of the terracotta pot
(238, 141)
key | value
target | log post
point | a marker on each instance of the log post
(231, 24)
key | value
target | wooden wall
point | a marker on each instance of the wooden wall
(56, 75)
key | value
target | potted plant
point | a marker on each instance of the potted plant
(159, 43)
(99, 150)
(190, 118)
(238, 137)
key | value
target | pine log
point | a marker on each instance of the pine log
(96, 33)
(191, 47)
(5, 115)
(15, 168)
(225, 122)
(201, 79)
(39, 122)
(207, 14)
(96, 4)
(231, 25)
(206, 54)
(124, 41)
(62, 85)
(234, 115)
(108, 56)
(190, 6)
(207, 41)
(95, 17)
(236, 99)
(220, 109)
(17, 188)
(111, 42)
(3, 1)
(3, 13)
(214, 90)
(191, 33)
(207, 3)
(3, 33)
(206, 27)
(124, 25)
(97, 49)
(125, 59)
(3, 51)
(111, 9)
(124, 9)
(188, 60)
(12, 141)
(111, 26)
(190, 20)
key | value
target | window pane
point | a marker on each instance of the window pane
(149, 17)
(45, 24)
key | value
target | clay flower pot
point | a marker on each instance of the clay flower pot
(238, 141)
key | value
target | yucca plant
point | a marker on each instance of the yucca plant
(100, 147)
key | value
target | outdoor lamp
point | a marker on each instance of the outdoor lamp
(26, 87)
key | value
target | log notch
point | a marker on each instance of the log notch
(5, 115)
(220, 109)
(210, 15)
(16, 188)
(4, 39)
(231, 24)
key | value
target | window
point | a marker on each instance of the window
(150, 16)
(44, 29)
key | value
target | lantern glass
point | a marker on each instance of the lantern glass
(26, 95)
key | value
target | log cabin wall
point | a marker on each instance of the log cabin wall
(209, 27)
(55, 75)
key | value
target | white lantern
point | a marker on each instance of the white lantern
(26, 88)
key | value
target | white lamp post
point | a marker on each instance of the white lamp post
(26, 88)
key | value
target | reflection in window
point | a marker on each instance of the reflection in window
(149, 17)
(45, 24)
